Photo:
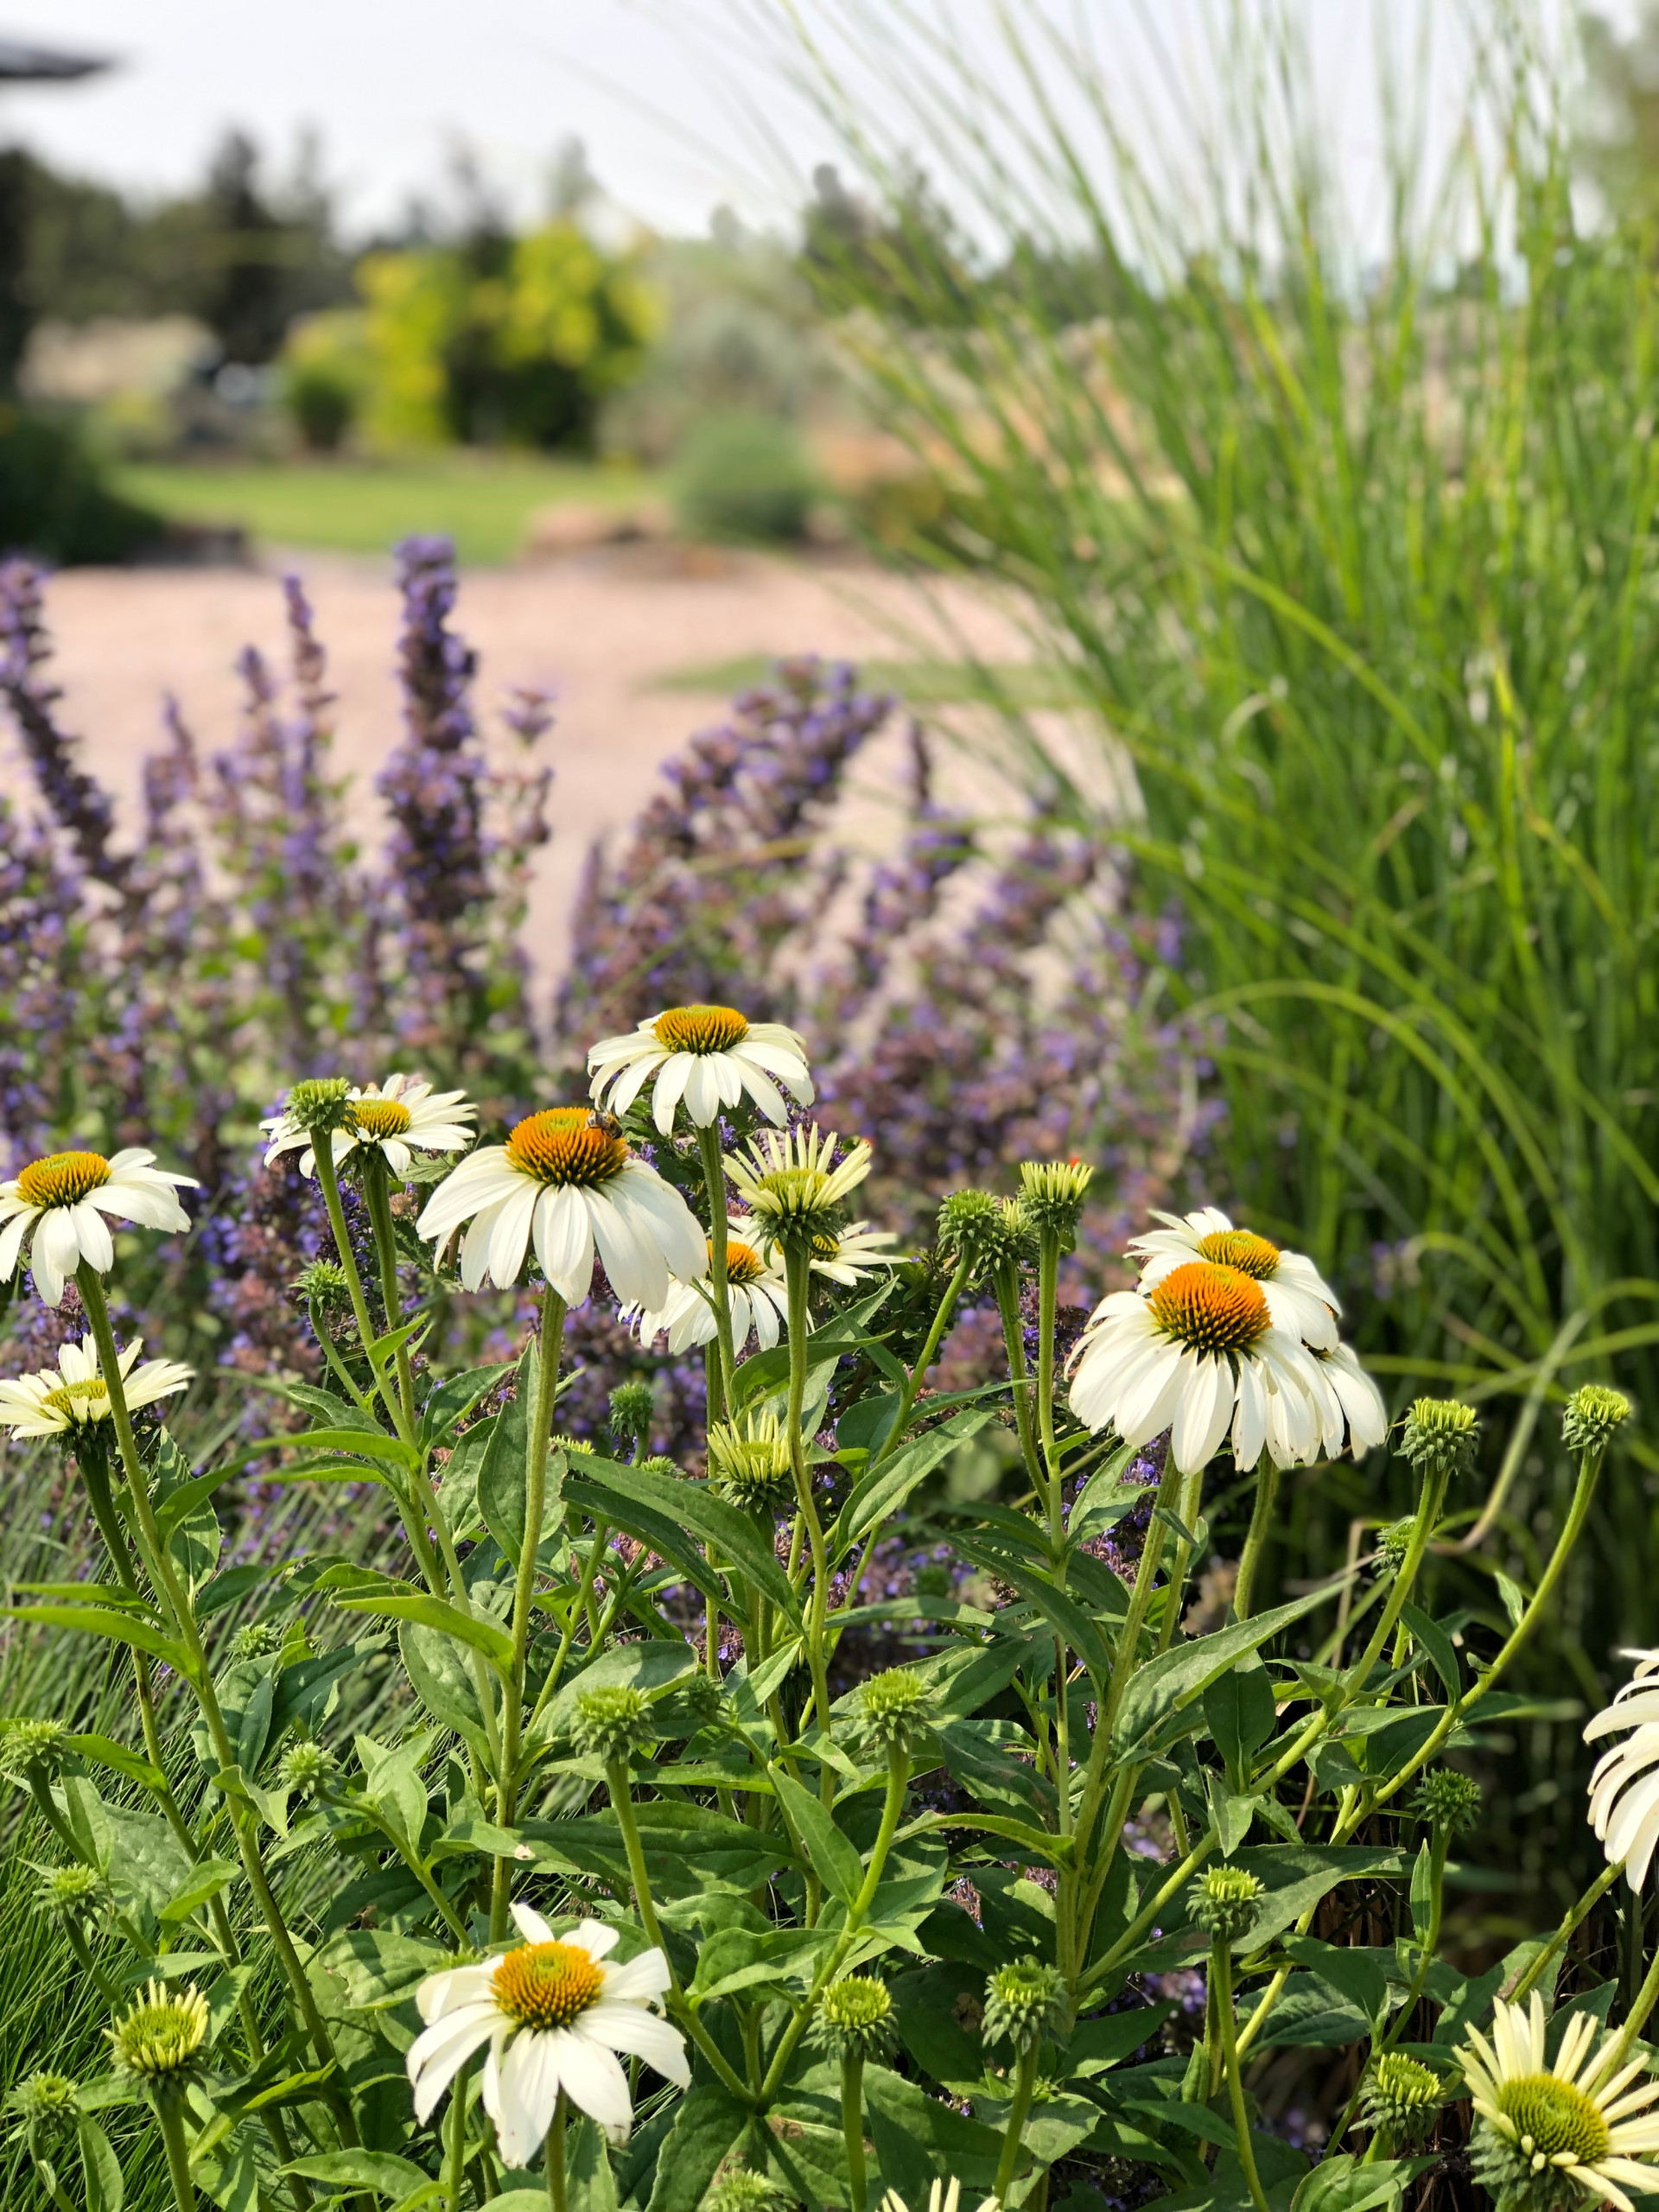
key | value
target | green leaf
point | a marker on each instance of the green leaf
(443, 1682)
(255, 1731)
(707, 2125)
(1343, 2183)
(1515, 1603)
(1355, 1973)
(1308, 2015)
(1105, 1498)
(119, 1759)
(454, 1399)
(206, 1879)
(1057, 1606)
(392, 1776)
(226, 1588)
(1238, 1709)
(379, 1968)
(649, 1666)
(881, 1492)
(147, 1865)
(193, 1536)
(503, 1471)
(1422, 1892)
(834, 1860)
(659, 1530)
(435, 1612)
(1176, 1677)
(1439, 1645)
(104, 2191)
(1233, 1813)
(699, 1508)
(101, 1620)
(918, 2138)
(368, 1443)
(380, 2171)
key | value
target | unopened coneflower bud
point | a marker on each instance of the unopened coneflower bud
(1052, 1195)
(1024, 2002)
(985, 1232)
(162, 2038)
(1439, 1437)
(323, 1283)
(894, 1707)
(320, 1104)
(1227, 1903)
(1401, 2097)
(70, 1891)
(660, 1464)
(256, 1640)
(1592, 1416)
(1447, 1801)
(749, 1460)
(855, 2017)
(611, 1720)
(743, 2190)
(27, 1746)
(309, 1768)
(795, 1188)
(634, 1404)
(43, 2098)
(1394, 1542)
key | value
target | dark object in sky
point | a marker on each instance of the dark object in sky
(23, 64)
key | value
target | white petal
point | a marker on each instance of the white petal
(564, 1243)
(599, 1938)
(93, 1234)
(634, 1259)
(702, 1100)
(526, 2090)
(11, 1239)
(671, 1082)
(632, 2029)
(593, 2079)
(438, 2054)
(531, 1926)
(509, 1234)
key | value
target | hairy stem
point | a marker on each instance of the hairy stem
(714, 1181)
(1019, 2111)
(1221, 1978)
(1267, 1485)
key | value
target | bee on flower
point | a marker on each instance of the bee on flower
(707, 1057)
(73, 1393)
(56, 1207)
(397, 1118)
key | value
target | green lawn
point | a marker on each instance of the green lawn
(483, 501)
(1015, 683)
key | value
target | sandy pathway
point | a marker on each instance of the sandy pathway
(600, 629)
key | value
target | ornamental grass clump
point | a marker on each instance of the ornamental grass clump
(578, 1847)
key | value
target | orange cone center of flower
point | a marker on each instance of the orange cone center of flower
(743, 1263)
(380, 1117)
(1211, 1308)
(1243, 1250)
(561, 1144)
(546, 1985)
(62, 1178)
(700, 1028)
(70, 1395)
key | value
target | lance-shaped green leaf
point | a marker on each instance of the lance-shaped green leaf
(394, 1604)
(884, 1490)
(1438, 1645)
(664, 1534)
(204, 1881)
(120, 1759)
(1175, 1678)
(622, 1489)
(105, 1621)
(835, 1858)
(454, 1399)
(503, 1470)
(1057, 1607)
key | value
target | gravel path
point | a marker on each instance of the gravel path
(600, 629)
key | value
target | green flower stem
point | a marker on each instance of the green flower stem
(554, 2154)
(1019, 2111)
(1048, 1279)
(328, 1181)
(852, 2124)
(169, 2111)
(1430, 1500)
(616, 1776)
(1637, 2018)
(797, 1268)
(918, 1375)
(714, 1179)
(1221, 1978)
(1171, 1886)
(898, 1783)
(1191, 1506)
(159, 1567)
(422, 1874)
(581, 1607)
(87, 1963)
(1573, 1920)
(455, 2164)
(341, 1373)
(1006, 1283)
(547, 1384)
(1439, 1844)
(1267, 1485)
(377, 1193)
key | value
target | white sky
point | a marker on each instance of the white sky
(647, 84)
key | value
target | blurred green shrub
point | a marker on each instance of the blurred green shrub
(328, 373)
(745, 479)
(54, 500)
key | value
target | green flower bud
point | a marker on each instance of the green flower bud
(750, 1461)
(742, 2190)
(70, 1891)
(894, 1707)
(1446, 1800)
(1394, 1542)
(1052, 1195)
(855, 2017)
(43, 2098)
(1401, 2097)
(633, 1404)
(1228, 1903)
(660, 1464)
(40, 1745)
(323, 1283)
(1439, 1436)
(988, 1232)
(1024, 2002)
(320, 1104)
(162, 2038)
(1592, 1413)
(308, 1768)
(256, 1640)
(611, 1720)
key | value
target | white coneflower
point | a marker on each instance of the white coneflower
(554, 2016)
(794, 1186)
(756, 1287)
(707, 1056)
(1624, 1785)
(60, 1398)
(1299, 1298)
(941, 2197)
(1349, 1401)
(568, 1183)
(849, 1258)
(1198, 1354)
(399, 1117)
(59, 1203)
(1563, 2134)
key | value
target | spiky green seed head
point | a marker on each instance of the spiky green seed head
(986, 1232)
(1051, 1196)
(1394, 1542)
(854, 2018)
(611, 1720)
(320, 1104)
(1227, 1903)
(1439, 1436)
(324, 1284)
(1543, 2119)
(660, 1464)
(70, 1891)
(44, 2098)
(26, 1746)
(1401, 2097)
(750, 1461)
(1024, 2001)
(743, 2190)
(162, 2038)
(1592, 1413)
(633, 1407)
(894, 1707)
(256, 1640)
(309, 1768)
(1448, 1801)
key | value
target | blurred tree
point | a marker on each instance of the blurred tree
(912, 250)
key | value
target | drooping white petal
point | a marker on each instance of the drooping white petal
(675, 1074)
(564, 1243)
(591, 2079)
(526, 2086)
(93, 1235)
(438, 2054)
(642, 2034)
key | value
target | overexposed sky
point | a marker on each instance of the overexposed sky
(657, 89)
